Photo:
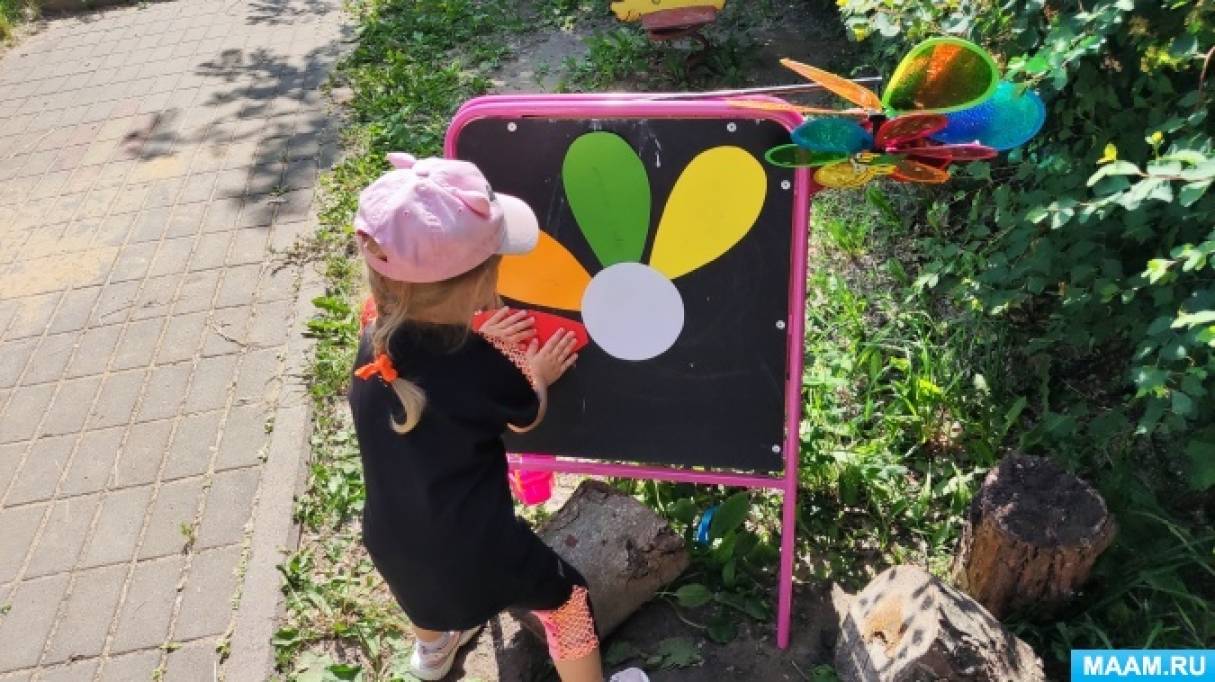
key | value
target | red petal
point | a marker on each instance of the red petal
(547, 324)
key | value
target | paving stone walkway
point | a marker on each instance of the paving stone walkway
(155, 160)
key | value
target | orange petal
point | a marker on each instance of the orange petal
(549, 276)
(853, 92)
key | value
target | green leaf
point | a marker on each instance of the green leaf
(621, 651)
(1182, 403)
(684, 510)
(347, 672)
(1037, 64)
(758, 609)
(1191, 193)
(745, 544)
(730, 515)
(1157, 268)
(1194, 319)
(1013, 413)
(677, 652)
(722, 630)
(724, 551)
(1183, 46)
(1037, 214)
(1150, 379)
(693, 595)
(1202, 464)
(1113, 168)
(823, 673)
(728, 572)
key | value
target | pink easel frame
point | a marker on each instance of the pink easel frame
(633, 105)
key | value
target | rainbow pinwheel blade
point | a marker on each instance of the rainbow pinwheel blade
(941, 75)
(1009, 119)
(853, 92)
(952, 152)
(910, 170)
(793, 156)
(904, 129)
(848, 175)
(832, 135)
(769, 105)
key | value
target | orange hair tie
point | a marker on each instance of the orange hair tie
(382, 365)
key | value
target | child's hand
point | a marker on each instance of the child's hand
(549, 362)
(511, 327)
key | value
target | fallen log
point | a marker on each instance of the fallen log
(908, 625)
(1032, 535)
(626, 552)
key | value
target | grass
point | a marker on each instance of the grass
(13, 12)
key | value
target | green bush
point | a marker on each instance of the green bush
(1090, 249)
(11, 12)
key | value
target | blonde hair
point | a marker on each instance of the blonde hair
(449, 302)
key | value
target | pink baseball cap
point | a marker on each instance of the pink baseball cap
(438, 218)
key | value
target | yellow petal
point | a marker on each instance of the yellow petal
(715, 202)
(548, 276)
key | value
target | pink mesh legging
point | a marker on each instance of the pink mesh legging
(570, 628)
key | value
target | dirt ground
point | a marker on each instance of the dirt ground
(505, 653)
(806, 30)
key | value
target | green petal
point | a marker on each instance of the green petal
(609, 193)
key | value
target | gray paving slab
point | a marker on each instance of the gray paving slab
(158, 159)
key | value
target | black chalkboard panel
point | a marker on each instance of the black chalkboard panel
(715, 397)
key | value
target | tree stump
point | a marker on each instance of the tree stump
(625, 551)
(1031, 538)
(907, 625)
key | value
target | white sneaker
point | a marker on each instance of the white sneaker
(433, 662)
(630, 675)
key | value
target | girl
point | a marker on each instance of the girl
(430, 403)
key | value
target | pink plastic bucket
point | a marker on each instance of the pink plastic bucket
(530, 487)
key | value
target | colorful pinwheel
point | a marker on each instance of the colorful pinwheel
(945, 102)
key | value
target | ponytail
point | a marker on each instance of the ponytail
(399, 302)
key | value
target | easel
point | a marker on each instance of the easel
(684, 106)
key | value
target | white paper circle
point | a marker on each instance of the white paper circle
(632, 311)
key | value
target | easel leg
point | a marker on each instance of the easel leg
(784, 603)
